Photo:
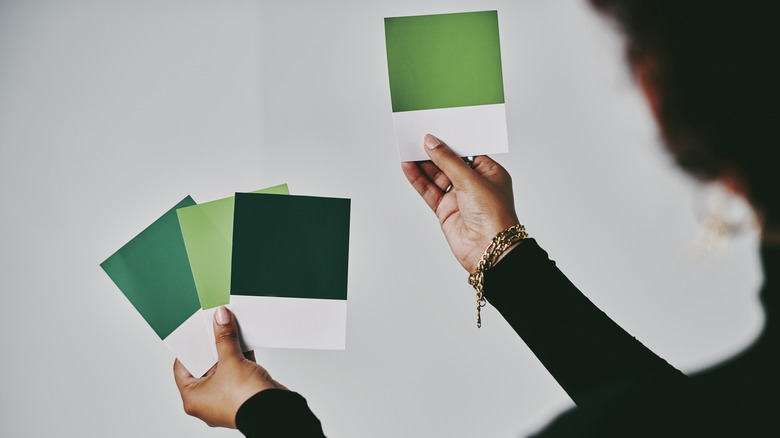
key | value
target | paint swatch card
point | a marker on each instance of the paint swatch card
(289, 270)
(446, 80)
(153, 272)
(208, 235)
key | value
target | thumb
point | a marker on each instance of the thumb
(226, 335)
(448, 161)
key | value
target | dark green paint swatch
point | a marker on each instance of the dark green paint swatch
(290, 246)
(444, 61)
(153, 272)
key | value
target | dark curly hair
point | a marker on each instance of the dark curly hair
(714, 69)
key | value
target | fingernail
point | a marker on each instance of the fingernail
(222, 315)
(431, 141)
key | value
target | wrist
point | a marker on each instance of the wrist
(507, 251)
(499, 246)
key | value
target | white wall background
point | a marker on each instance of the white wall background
(110, 112)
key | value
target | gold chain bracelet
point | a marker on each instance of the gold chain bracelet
(498, 245)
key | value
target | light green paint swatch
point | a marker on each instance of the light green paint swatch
(444, 61)
(208, 235)
(153, 272)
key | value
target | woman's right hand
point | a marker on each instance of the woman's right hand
(479, 205)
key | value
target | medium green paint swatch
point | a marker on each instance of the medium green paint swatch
(290, 246)
(444, 61)
(208, 235)
(153, 272)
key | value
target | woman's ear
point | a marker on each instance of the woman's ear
(734, 183)
(644, 71)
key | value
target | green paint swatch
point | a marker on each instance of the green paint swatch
(444, 61)
(208, 235)
(290, 246)
(153, 272)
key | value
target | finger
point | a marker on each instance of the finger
(430, 193)
(226, 335)
(448, 161)
(485, 165)
(435, 174)
(182, 376)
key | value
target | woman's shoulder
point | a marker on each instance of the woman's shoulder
(733, 399)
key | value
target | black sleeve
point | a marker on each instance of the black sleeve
(589, 355)
(277, 413)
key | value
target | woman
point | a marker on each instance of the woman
(707, 71)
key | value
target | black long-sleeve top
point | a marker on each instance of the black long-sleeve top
(620, 387)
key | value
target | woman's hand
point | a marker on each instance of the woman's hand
(479, 205)
(216, 397)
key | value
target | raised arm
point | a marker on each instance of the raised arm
(585, 351)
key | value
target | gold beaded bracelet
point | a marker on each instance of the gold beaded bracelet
(498, 245)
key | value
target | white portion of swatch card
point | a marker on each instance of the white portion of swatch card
(277, 322)
(193, 345)
(468, 130)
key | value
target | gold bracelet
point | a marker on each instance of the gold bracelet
(498, 245)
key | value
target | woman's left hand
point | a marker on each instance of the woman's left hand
(216, 397)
